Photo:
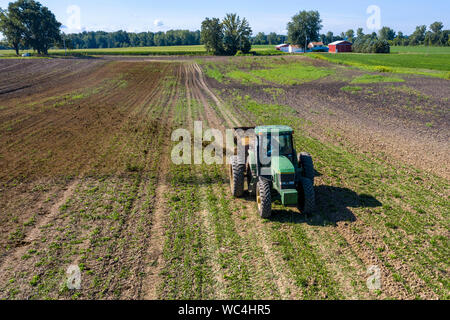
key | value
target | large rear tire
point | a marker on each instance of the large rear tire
(306, 161)
(264, 198)
(307, 196)
(237, 176)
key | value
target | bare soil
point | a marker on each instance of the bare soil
(408, 121)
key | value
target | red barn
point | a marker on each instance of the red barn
(340, 46)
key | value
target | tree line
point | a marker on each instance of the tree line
(120, 39)
(268, 39)
(27, 24)
(435, 35)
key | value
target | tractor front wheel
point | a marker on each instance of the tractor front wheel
(306, 195)
(237, 176)
(264, 199)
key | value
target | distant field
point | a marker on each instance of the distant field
(420, 49)
(169, 50)
(200, 50)
(166, 50)
(415, 63)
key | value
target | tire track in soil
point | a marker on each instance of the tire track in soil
(155, 263)
(394, 288)
(195, 90)
(252, 232)
(230, 120)
(253, 228)
(218, 284)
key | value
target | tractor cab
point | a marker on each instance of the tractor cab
(275, 141)
(273, 169)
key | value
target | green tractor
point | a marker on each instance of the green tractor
(284, 175)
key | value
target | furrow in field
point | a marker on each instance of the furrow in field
(154, 260)
(104, 225)
(255, 260)
(229, 117)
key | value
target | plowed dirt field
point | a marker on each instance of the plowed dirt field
(86, 179)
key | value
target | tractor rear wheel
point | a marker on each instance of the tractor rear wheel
(306, 196)
(237, 176)
(264, 199)
(306, 161)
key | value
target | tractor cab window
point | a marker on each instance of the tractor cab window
(284, 144)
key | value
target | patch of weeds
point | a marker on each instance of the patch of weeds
(17, 235)
(131, 167)
(275, 92)
(34, 281)
(212, 71)
(292, 74)
(30, 222)
(351, 89)
(65, 206)
(391, 225)
(244, 77)
(375, 78)
(40, 188)
(397, 277)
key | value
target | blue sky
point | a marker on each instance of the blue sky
(264, 15)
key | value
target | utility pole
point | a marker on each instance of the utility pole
(65, 49)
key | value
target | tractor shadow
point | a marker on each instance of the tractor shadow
(332, 206)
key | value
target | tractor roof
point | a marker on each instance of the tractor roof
(270, 129)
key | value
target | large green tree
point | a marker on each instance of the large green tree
(359, 33)
(236, 34)
(212, 35)
(436, 37)
(35, 23)
(350, 34)
(304, 27)
(260, 38)
(418, 36)
(329, 37)
(272, 38)
(226, 37)
(11, 28)
(386, 33)
(436, 27)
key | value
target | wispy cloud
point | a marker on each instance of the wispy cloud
(158, 23)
